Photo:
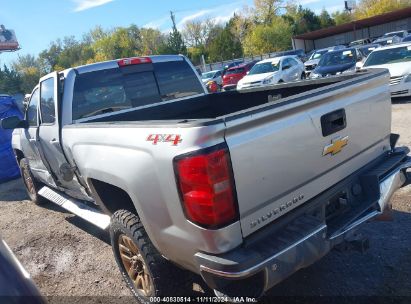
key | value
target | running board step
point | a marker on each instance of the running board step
(76, 207)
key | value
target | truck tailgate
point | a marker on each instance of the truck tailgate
(282, 154)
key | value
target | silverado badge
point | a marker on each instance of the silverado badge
(336, 146)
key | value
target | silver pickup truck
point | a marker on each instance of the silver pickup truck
(243, 188)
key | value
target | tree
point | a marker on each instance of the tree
(10, 81)
(175, 43)
(95, 34)
(369, 8)
(239, 25)
(120, 43)
(263, 38)
(195, 53)
(341, 17)
(73, 53)
(49, 57)
(196, 32)
(325, 19)
(29, 72)
(152, 41)
(193, 33)
(63, 54)
(224, 46)
(301, 19)
(266, 10)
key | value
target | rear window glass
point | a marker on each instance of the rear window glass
(176, 79)
(338, 57)
(235, 71)
(318, 54)
(118, 89)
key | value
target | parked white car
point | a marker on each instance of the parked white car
(397, 59)
(272, 71)
(212, 75)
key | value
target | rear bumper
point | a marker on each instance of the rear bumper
(229, 87)
(305, 235)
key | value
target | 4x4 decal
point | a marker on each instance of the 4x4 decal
(175, 139)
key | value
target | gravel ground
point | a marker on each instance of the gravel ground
(69, 259)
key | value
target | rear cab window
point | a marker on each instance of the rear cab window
(176, 80)
(133, 86)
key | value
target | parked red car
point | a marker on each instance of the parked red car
(234, 74)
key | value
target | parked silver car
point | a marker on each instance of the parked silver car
(216, 76)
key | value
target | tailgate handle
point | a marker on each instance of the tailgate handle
(333, 122)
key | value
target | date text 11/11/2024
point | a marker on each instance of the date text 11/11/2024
(204, 299)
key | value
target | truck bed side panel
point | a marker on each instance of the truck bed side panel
(123, 155)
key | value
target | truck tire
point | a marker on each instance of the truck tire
(32, 185)
(143, 268)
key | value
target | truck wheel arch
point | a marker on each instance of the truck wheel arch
(19, 155)
(110, 197)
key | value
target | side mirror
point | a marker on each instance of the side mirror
(13, 122)
(286, 67)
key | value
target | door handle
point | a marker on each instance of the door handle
(333, 122)
(53, 141)
(32, 140)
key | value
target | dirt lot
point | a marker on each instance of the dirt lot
(67, 257)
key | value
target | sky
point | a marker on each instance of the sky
(38, 22)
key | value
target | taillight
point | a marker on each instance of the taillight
(206, 186)
(132, 61)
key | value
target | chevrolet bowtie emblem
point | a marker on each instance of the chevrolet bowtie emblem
(336, 146)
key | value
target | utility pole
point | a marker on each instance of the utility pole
(175, 39)
(173, 19)
(349, 5)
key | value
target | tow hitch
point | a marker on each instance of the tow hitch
(357, 242)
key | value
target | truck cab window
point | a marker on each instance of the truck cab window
(47, 104)
(32, 109)
(176, 80)
(110, 90)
